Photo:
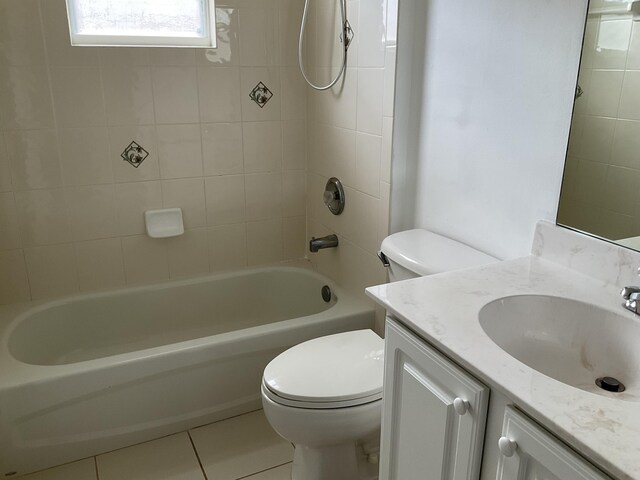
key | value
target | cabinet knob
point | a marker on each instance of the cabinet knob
(461, 406)
(507, 446)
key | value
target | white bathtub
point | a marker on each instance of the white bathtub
(93, 373)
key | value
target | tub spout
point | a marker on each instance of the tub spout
(330, 241)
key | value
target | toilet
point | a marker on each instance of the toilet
(325, 395)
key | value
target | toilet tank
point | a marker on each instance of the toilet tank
(416, 253)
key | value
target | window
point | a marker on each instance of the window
(142, 23)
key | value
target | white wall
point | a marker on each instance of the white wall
(483, 108)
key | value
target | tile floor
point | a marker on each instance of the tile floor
(243, 447)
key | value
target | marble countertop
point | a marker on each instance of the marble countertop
(443, 309)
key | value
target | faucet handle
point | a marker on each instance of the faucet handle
(626, 292)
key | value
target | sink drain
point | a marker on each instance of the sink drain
(610, 384)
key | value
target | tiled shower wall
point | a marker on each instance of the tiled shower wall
(600, 190)
(71, 209)
(350, 137)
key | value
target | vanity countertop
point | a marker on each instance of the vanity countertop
(443, 309)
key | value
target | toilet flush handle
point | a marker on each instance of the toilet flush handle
(461, 406)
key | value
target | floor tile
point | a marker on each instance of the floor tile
(239, 447)
(168, 458)
(82, 470)
(279, 473)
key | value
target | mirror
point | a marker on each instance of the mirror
(601, 185)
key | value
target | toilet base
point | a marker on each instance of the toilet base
(336, 462)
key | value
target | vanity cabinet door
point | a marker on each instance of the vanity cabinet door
(434, 413)
(530, 453)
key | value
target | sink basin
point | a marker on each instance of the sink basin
(570, 341)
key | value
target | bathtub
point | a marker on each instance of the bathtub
(88, 374)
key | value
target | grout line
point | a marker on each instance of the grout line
(265, 470)
(95, 464)
(195, 450)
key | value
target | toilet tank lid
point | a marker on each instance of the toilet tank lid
(427, 253)
(339, 367)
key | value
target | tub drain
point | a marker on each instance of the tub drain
(610, 384)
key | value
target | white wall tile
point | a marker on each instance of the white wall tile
(132, 200)
(77, 96)
(225, 198)
(222, 149)
(389, 81)
(43, 217)
(9, 227)
(264, 196)
(175, 94)
(633, 58)
(294, 238)
(294, 94)
(371, 33)
(14, 281)
(34, 158)
(52, 271)
(173, 56)
(597, 137)
(118, 56)
(339, 107)
(56, 36)
(84, 154)
(227, 246)
(387, 138)
(188, 254)
(368, 155)
(25, 98)
(5, 168)
(606, 86)
(20, 33)
(219, 93)
(187, 194)
(294, 193)
(626, 144)
(259, 38)
(294, 145)
(92, 212)
(370, 88)
(630, 101)
(145, 259)
(100, 264)
(265, 245)
(180, 151)
(128, 95)
(119, 140)
(612, 44)
(262, 146)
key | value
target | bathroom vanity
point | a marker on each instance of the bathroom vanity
(491, 371)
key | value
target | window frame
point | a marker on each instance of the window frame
(152, 41)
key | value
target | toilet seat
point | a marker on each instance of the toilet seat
(336, 371)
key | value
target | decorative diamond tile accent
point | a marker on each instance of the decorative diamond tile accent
(261, 94)
(134, 154)
(349, 33)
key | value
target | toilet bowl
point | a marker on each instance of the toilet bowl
(325, 397)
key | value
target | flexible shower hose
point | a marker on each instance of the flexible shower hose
(303, 26)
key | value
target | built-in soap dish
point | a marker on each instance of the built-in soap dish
(164, 223)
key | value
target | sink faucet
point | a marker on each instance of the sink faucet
(631, 295)
(330, 241)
